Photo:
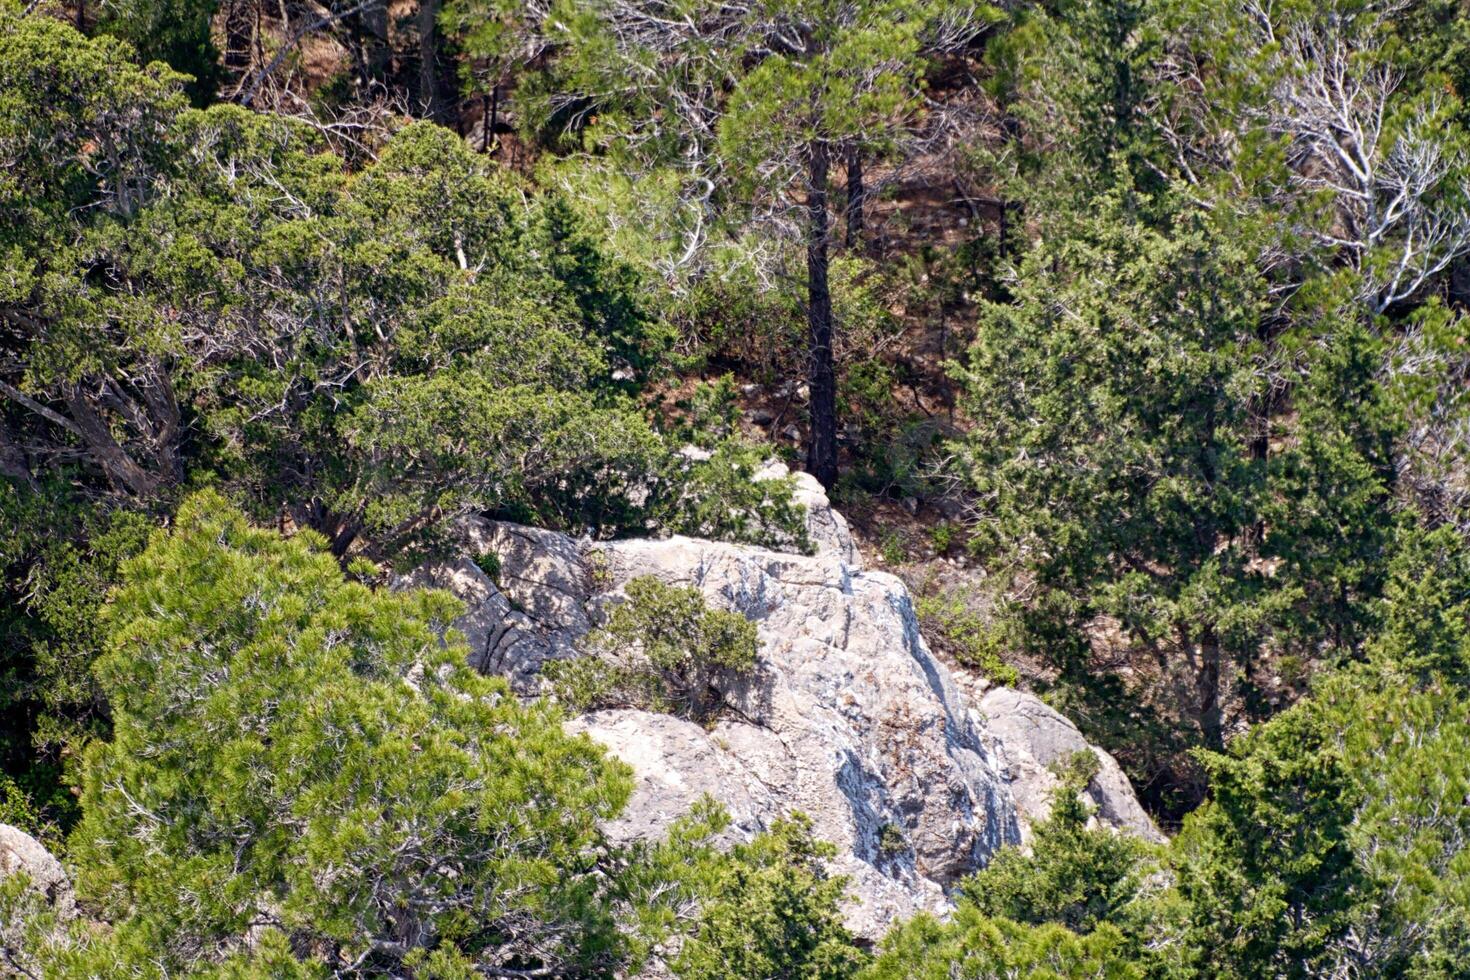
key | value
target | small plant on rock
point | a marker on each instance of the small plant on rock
(664, 649)
(971, 638)
(489, 563)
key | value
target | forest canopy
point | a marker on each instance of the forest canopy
(1132, 334)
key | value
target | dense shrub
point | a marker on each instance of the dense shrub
(662, 649)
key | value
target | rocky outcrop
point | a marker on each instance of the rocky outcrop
(1034, 738)
(20, 852)
(826, 528)
(848, 717)
(525, 591)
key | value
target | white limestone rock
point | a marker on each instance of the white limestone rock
(20, 852)
(847, 718)
(825, 526)
(1033, 737)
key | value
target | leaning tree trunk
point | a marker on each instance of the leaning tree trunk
(821, 451)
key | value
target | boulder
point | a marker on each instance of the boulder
(848, 716)
(20, 852)
(532, 609)
(1033, 737)
(825, 526)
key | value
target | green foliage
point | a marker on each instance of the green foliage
(771, 910)
(725, 497)
(714, 412)
(662, 649)
(175, 32)
(1329, 843)
(1117, 456)
(295, 749)
(1215, 443)
(891, 841)
(381, 348)
(489, 563)
(58, 560)
(1333, 495)
(1074, 876)
(31, 930)
(970, 945)
(1112, 424)
(1091, 882)
(779, 97)
(942, 536)
(974, 640)
(61, 94)
(1425, 628)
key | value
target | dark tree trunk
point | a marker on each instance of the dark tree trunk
(855, 198)
(494, 115)
(13, 460)
(821, 452)
(1211, 723)
(239, 32)
(431, 86)
(484, 123)
(1260, 408)
(370, 29)
(121, 469)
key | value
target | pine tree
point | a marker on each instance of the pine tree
(758, 106)
(299, 753)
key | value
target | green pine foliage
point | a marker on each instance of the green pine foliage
(264, 337)
(58, 558)
(295, 752)
(305, 779)
(1330, 842)
(1111, 454)
(771, 909)
(662, 649)
(971, 945)
(1075, 875)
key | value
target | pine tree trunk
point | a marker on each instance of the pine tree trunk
(1260, 441)
(239, 33)
(121, 469)
(1210, 718)
(821, 453)
(431, 95)
(372, 27)
(491, 120)
(855, 201)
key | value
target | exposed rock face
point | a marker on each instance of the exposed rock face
(20, 851)
(533, 609)
(826, 528)
(1032, 738)
(848, 716)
